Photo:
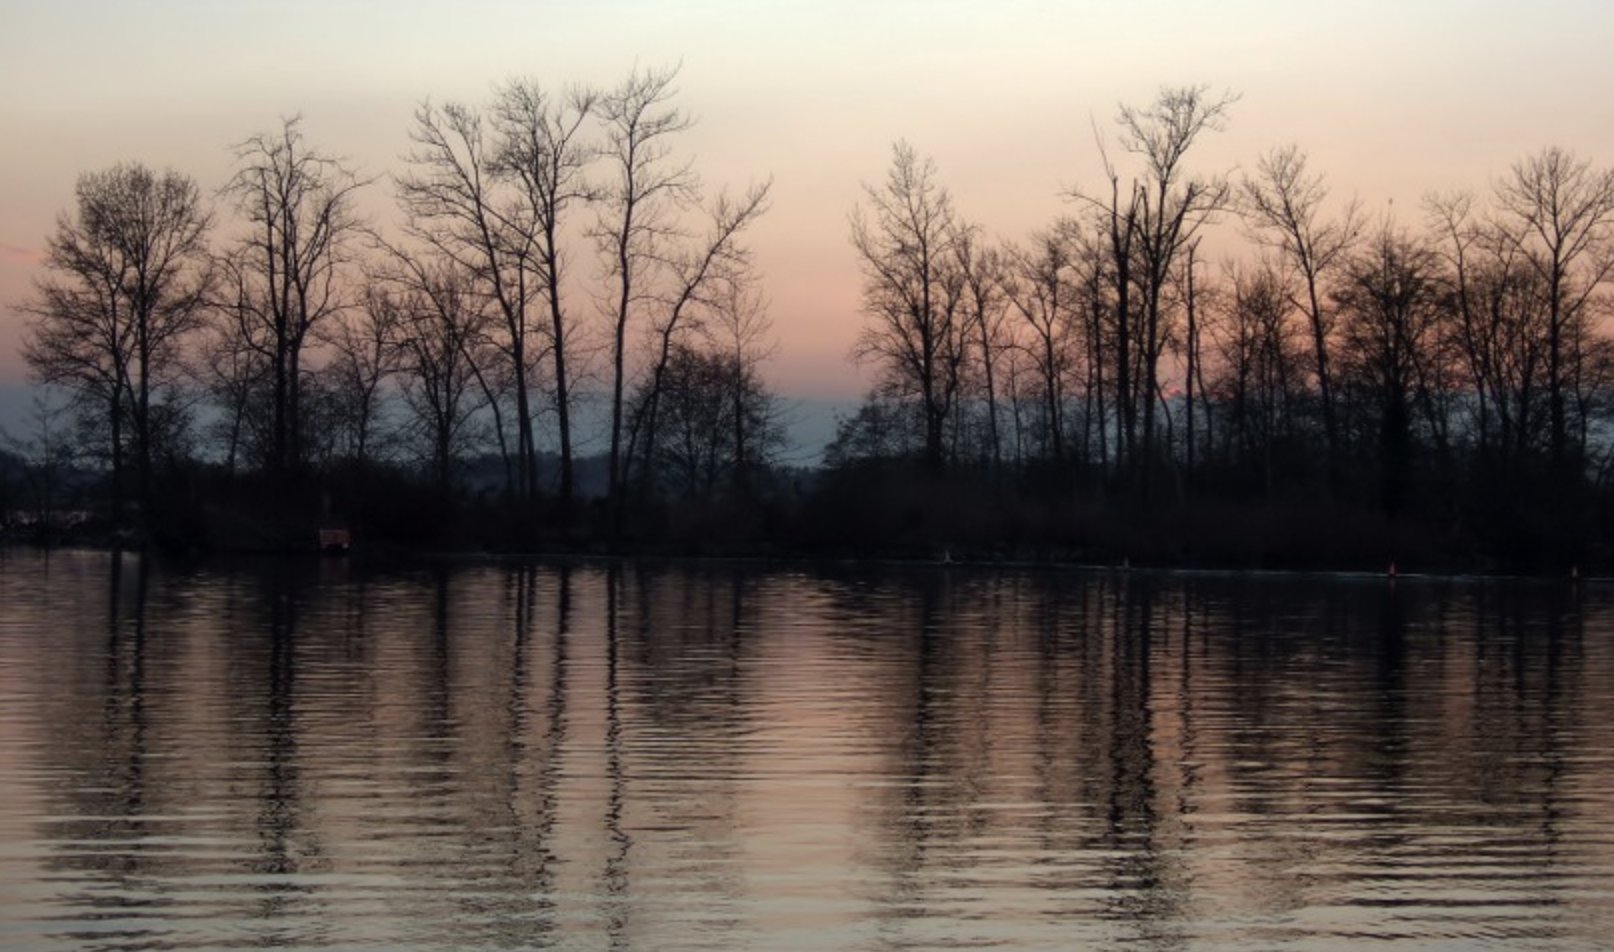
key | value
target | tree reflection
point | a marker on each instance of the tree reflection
(651, 757)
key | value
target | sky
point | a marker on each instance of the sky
(1391, 100)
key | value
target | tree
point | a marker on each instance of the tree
(1099, 325)
(1499, 328)
(985, 273)
(637, 205)
(1284, 203)
(128, 278)
(1039, 283)
(661, 273)
(910, 292)
(1193, 355)
(541, 150)
(1116, 222)
(287, 273)
(363, 353)
(700, 280)
(738, 330)
(1259, 380)
(1560, 212)
(440, 320)
(1170, 208)
(460, 203)
(880, 430)
(717, 421)
(1393, 294)
(1146, 229)
(232, 374)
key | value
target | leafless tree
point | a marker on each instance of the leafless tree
(638, 209)
(232, 374)
(542, 149)
(717, 420)
(910, 283)
(1498, 326)
(1260, 365)
(458, 205)
(1560, 212)
(363, 354)
(884, 427)
(1116, 222)
(127, 278)
(441, 319)
(698, 279)
(1194, 357)
(1393, 294)
(984, 270)
(1171, 207)
(1098, 320)
(1039, 282)
(738, 328)
(288, 272)
(1285, 204)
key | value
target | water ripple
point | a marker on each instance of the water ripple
(313, 756)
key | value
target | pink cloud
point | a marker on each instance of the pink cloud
(19, 253)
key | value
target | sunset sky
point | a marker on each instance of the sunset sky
(1390, 99)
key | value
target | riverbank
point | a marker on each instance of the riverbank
(863, 515)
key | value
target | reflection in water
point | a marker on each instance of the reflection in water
(615, 878)
(633, 757)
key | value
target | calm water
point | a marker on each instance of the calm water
(503, 756)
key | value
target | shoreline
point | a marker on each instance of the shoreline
(393, 555)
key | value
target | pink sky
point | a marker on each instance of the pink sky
(1390, 99)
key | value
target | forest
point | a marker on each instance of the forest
(1184, 367)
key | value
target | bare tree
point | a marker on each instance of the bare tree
(1091, 251)
(363, 349)
(1110, 289)
(906, 244)
(1039, 283)
(1498, 325)
(287, 273)
(1171, 207)
(128, 276)
(1285, 202)
(541, 148)
(231, 373)
(458, 204)
(441, 318)
(1560, 212)
(984, 271)
(738, 328)
(1193, 351)
(637, 219)
(1259, 384)
(698, 278)
(1393, 292)
(717, 421)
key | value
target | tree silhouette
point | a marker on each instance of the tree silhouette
(127, 279)
(911, 291)
(288, 272)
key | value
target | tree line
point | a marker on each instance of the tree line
(1185, 364)
(1445, 381)
(547, 242)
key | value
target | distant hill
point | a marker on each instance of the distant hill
(15, 404)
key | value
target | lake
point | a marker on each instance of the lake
(315, 755)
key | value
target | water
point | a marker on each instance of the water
(304, 755)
